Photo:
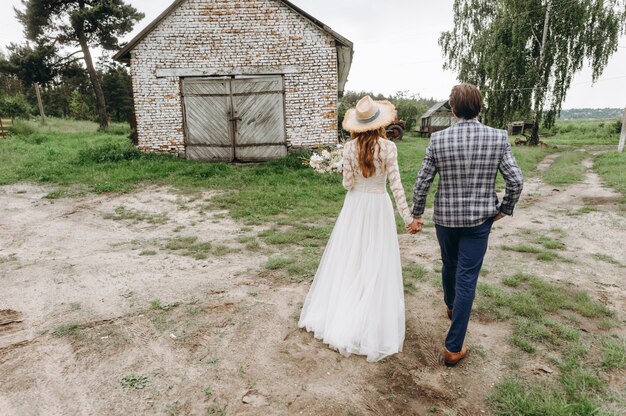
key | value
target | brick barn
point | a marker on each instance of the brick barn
(245, 80)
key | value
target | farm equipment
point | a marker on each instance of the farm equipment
(395, 130)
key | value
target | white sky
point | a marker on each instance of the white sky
(395, 44)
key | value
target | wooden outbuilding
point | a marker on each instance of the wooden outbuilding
(236, 80)
(436, 118)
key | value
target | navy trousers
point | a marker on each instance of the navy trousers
(462, 253)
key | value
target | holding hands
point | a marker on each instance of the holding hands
(416, 226)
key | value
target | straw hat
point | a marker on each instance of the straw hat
(369, 115)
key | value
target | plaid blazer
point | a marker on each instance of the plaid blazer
(467, 157)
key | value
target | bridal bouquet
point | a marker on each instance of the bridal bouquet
(327, 161)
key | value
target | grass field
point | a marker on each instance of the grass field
(296, 208)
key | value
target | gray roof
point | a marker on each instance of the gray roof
(437, 107)
(345, 49)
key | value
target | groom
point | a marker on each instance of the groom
(467, 157)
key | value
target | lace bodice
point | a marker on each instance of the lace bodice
(353, 179)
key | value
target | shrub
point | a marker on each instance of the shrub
(15, 106)
(108, 153)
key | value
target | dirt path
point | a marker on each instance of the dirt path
(82, 332)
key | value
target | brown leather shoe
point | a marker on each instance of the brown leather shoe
(449, 312)
(452, 358)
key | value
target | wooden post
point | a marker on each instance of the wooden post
(40, 104)
(622, 138)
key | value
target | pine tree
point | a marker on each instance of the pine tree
(82, 23)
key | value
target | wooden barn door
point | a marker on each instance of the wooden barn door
(209, 133)
(234, 119)
(260, 118)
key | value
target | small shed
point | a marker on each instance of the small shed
(236, 80)
(436, 118)
(515, 128)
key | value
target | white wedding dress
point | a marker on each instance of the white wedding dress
(356, 301)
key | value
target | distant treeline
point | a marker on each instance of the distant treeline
(591, 113)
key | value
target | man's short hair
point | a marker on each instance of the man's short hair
(466, 100)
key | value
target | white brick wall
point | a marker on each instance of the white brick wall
(228, 34)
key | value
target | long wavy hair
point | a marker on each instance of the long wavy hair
(367, 143)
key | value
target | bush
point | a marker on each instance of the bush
(15, 106)
(108, 153)
(22, 128)
(617, 126)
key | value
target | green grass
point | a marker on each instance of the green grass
(123, 213)
(551, 243)
(522, 248)
(614, 353)
(71, 330)
(583, 132)
(612, 167)
(412, 274)
(566, 169)
(608, 259)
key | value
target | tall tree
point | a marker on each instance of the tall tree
(82, 23)
(524, 53)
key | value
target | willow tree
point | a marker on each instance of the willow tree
(524, 53)
(80, 23)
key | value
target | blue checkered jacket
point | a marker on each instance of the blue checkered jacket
(467, 157)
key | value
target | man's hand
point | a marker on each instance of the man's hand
(416, 226)
(499, 216)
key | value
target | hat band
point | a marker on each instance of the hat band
(370, 119)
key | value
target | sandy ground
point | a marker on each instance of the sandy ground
(81, 332)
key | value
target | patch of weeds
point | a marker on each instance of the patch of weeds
(584, 210)
(558, 231)
(491, 302)
(208, 392)
(75, 306)
(607, 258)
(528, 331)
(213, 361)
(302, 235)
(178, 228)
(148, 253)
(157, 304)
(67, 330)
(522, 248)
(516, 280)
(511, 397)
(411, 274)
(299, 267)
(135, 382)
(588, 308)
(8, 258)
(606, 324)
(547, 256)
(614, 353)
(217, 410)
(188, 246)
(277, 263)
(222, 250)
(551, 243)
(123, 213)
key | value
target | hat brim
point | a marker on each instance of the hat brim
(387, 115)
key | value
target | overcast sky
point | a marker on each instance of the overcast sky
(395, 47)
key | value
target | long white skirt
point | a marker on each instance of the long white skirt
(356, 301)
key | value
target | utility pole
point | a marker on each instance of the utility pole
(40, 104)
(622, 138)
(534, 139)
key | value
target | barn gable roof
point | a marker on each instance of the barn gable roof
(441, 104)
(344, 46)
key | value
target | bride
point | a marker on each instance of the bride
(356, 301)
